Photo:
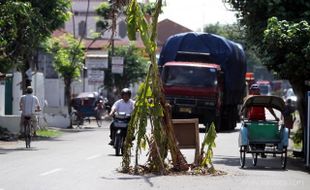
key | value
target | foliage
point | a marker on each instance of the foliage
(298, 136)
(68, 56)
(150, 101)
(68, 61)
(287, 57)
(49, 133)
(209, 142)
(17, 32)
(254, 14)
(151, 104)
(104, 10)
(24, 25)
(288, 47)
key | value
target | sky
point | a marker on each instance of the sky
(194, 14)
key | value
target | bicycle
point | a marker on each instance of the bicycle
(28, 132)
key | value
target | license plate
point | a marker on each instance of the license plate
(186, 110)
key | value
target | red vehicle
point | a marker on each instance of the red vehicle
(193, 89)
(203, 77)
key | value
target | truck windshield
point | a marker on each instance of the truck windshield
(189, 76)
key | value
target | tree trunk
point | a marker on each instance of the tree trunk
(300, 90)
(68, 82)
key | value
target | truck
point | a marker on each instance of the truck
(203, 77)
(264, 86)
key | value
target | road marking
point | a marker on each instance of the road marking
(51, 172)
(93, 157)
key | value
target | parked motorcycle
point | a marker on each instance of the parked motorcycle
(120, 122)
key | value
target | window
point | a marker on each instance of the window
(82, 29)
(122, 29)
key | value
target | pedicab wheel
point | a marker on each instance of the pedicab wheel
(242, 156)
(75, 119)
(284, 158)
(254, 158)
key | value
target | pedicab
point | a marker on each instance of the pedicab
(263, 136)
(87, 105)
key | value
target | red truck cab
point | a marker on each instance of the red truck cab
(193, 89)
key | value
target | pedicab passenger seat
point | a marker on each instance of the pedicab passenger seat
(262, 132)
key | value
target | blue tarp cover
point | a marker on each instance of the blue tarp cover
(229, 55)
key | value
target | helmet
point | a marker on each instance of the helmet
(126, 91)
(29, 90)
(254, 87)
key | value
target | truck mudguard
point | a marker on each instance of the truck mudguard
(229, 55)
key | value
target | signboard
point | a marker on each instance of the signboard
(187, 134)
(96, 62)
(118, 65)
(95, 76)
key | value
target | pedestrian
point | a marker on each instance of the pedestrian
(288, 115)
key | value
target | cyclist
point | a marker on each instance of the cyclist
(125, 104)
(28, 105)
(258, 112)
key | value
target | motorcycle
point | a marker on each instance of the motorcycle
(107, 105)
(120, 122)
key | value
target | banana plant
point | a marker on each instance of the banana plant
(150, 103)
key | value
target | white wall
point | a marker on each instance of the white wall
(10, 122)
(17, 92)
(37, 85)
(2, 97)
(54, 92)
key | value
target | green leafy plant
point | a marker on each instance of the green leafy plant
(151, 105)
(209, 144)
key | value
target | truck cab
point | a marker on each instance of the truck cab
(193, 89)
(264, 86)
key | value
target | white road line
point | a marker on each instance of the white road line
(93, 157)
(51, 172)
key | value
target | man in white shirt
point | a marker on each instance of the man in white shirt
(28, 105)
(122, 105)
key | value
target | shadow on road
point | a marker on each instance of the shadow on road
(267, 164)
(146, 178)
(9, 150)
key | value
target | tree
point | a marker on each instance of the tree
(24, 25)
(288, 47)
(68, 61)
(254, 15)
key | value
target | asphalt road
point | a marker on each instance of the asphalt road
(81, 159)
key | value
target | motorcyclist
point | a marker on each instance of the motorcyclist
(125, 104)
